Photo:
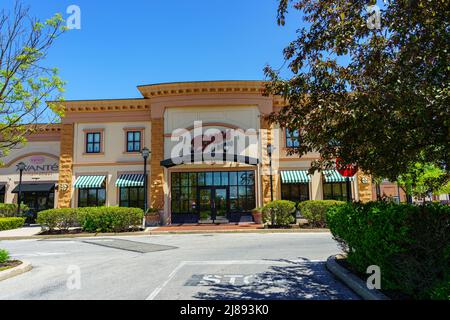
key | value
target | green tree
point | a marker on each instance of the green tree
(25, 82)
(422, 180)
(376, 97)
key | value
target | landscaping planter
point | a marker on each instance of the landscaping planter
(152, 220)
(257, 217)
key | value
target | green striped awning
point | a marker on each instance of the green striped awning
(295, 176)
(84, 182)
(334, 176)
(130, 180)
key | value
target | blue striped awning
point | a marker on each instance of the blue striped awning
(130, 180)
(334, 176)
(295, 176)
(84, 182)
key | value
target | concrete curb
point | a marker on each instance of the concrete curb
(352, 281)
(25, 266)
(155, 232)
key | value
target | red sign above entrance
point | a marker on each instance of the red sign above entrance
(346, 170)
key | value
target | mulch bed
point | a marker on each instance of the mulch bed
(392, 294)
(9, 264)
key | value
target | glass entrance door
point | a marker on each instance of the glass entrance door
(205, 204)
(220, 205)
(37, 201)
(213, 204)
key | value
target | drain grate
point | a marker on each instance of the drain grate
(128, 245)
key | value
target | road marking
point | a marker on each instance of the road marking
(171, 275)
(39, 254)
(223, 262)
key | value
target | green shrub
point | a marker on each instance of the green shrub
(61, 219)
(8, 210)
(110, 219)
(411, 244)
(91, 219)
(11, 223)
(4, 256)
(316, 211)
(279, 213)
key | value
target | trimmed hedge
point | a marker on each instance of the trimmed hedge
(410, 244)
(316, 211)
(8, 210)
(110, 219)
(61, 219)
(11, 223)
(91, 219)
(279, 213)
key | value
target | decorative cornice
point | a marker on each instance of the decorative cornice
(106, 105)
(201, 87)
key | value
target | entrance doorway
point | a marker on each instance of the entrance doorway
(213, 204)
(37, 201)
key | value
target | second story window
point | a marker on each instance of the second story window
(292, 139)
(134, 141)
(93, 142)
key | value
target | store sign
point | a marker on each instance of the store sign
(40, 164)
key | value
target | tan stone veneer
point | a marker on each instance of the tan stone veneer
(364, 187)
(156, 181)
(65, 166)
(265, 178)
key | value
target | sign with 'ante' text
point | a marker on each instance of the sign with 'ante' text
(39, 164)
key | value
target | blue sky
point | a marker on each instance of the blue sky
(123, 44)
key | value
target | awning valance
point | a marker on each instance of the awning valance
(84, 182)
(130, 180)
(334, 176)
(205, 158)
(295, 176)
(34, 187)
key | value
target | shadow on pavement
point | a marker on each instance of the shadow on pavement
(301, 280)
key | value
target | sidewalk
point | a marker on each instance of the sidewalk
(208, 227)
(22, 232)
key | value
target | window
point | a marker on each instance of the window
(132, 197)
(93, 197)
(134, 141)
(93, 142)
(292, 139)
(185, 188)
(335, 191)
(295, 191)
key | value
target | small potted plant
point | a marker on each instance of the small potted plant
(152, 217)
(257, 215)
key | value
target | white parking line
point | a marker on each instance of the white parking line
(158, 289)
(223, 262)
(39, 254)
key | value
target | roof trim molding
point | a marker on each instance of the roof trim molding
(201, 87)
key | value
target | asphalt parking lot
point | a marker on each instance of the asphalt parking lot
(197, 266)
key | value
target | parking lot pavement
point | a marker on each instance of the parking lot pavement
(213, 266)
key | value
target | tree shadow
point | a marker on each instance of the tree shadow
(299, 280)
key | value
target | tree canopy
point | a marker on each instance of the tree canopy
(25, 82)
(373, 96)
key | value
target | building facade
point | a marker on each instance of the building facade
(209, 157)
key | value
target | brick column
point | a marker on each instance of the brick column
(65, 166)
(364, 186)
(157, 171)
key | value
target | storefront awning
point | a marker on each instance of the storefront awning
(34, 187)
(130, 180)
(84, 182)
(204, 158)
(295, 176)
(334, 176)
